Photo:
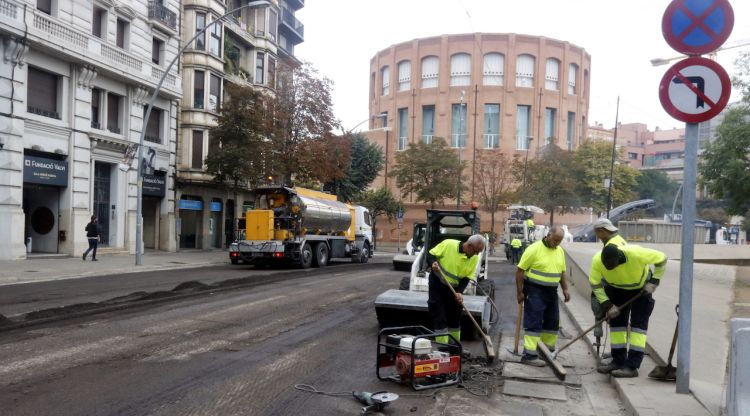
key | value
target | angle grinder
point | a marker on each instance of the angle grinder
(374, 402)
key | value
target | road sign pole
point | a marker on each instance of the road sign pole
(686, 259)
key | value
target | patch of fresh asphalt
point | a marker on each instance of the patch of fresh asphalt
(183, 290)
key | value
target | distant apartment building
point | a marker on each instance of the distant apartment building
(481, 92)
(77, 77)
(245, 49)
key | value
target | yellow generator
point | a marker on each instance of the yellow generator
(302, 227)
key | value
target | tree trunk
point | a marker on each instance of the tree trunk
(492, 232)
(237, 209)
(552, 217)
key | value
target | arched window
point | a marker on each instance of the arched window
(385, 76)
(460, 69)
(572, 73)
(525, 71)
(494, 64)
(404, 75)
(430, 71)
(552, 76)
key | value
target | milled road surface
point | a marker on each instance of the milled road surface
(237, 352)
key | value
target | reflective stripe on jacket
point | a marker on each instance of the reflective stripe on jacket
(454, 263)
(543, 265)
(630, 275)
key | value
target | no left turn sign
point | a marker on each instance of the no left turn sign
(694, 90)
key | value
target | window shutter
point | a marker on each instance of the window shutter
(460, 69)
(430, 71)
(493, 69)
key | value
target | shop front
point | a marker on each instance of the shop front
(154, 190)
(190, 221)
(45, 176)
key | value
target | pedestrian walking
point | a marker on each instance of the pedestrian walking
(617, 275)
(539, 273)
(94, 234)
(457, 261)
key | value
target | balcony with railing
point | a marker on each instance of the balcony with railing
(428, 138)
(491, 141)
(44, 113)
(159, 13)
(295, 4)
(56, 34)
(293, 28)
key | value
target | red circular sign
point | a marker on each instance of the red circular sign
(695, 90)
(695, 27)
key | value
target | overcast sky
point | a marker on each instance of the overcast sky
(622, 36)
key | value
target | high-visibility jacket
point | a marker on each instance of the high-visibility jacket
(616, 240)
(529, 223)
(453, 261)
(515, 243)
(543, 265)
(630, 275)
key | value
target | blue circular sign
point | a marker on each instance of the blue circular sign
(695, 27)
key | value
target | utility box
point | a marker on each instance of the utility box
(259, 225)
(658, 232)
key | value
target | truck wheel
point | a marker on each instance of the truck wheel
(321, 255)
(306, 256)
(404, 283)
(363, 256)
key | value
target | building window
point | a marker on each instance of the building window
(99, 23)
(271, 73)
(214, 44)
(428, 123)
(572, 72)
(403, 125)
(460, 69)
(200, 24)
(491, 126)
(550, 114)
(552, 77)
(385, 76)
(196, 158)
(199, 86)
(260, 62)
(458, 125)
(632, 156)
(42, 93)
(153, 129)
(260, 22)
(273, 24)
(493, 69)
(525, 71)
(122, 33)
(571, 129)
(113, 113)
(523, 126)
(44, 6)
(157, 51)
(96, 108)
(383, 119)
(214, 94)
(430, 71)
(404, 75)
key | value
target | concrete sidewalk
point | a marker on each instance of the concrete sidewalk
(712, 300)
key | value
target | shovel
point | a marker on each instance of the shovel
(668, 373)
(489, 349)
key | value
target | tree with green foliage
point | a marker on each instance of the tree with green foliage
(725, 165)
(494, 185)
(379, 202)
(657, 185)
(367, 160)
(302, 140)
(237, 144)
(592, 163)
(741, 78)
(550, 181)
(433, 172)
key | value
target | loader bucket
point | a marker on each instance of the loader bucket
(401, 307)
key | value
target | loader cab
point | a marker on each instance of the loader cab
(445, 224)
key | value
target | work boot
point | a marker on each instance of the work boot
(83, 257)
(532, 360)
(606, 368)
(625, 372)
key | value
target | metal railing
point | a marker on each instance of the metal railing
(96, 125)
(42, 112)
(288, 17)
(458, 140)
(113, 129)
(160, 13)
(152, 139)
(402, 142)
(427, 138)
(491, 141)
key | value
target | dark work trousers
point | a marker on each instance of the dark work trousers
(444, 310)
(637, 314)
(515, 254)
(541, 316)
(93, 242)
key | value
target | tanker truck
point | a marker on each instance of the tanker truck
(302, 227)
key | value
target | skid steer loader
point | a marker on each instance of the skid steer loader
(408, 304)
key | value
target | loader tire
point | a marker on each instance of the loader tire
(404, 285)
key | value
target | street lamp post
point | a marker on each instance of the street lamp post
(139, 181)
(612, 164)
(525, 165)
(460, 147)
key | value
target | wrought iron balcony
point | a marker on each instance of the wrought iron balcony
(42, 112)
(96, 125)
(161, 14)
(152, 139)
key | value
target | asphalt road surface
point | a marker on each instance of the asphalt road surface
(238, 352)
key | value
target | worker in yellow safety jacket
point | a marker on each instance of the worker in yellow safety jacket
(515, 250)
(617, 275)
(452, 263)
(539, 273)
(607, 233)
